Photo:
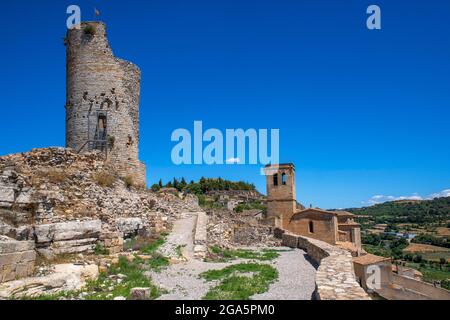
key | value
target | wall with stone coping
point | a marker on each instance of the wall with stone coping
(200, 235)
(423, 288)
(335, 277)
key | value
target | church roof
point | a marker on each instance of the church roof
(368, 259)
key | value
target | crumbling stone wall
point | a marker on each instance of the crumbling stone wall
(335, 276)
(97, 81)
(53, 199)
(16, 259)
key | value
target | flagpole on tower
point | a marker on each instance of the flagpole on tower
(97, 14)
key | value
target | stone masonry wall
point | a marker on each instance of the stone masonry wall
(335, 277)
(99, 82)
(16, 259)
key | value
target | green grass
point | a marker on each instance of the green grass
(377, 250)
(106, 288)
(100, 289)
(227, 254)
(100, 250)
(429, 273)
(145, 245)
(157, 262)
(240, 281)
(250, 206)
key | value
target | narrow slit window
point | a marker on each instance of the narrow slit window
(311, 227)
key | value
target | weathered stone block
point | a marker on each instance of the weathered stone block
(129, 226)
(67, 231)
(140, 293)
(6, 194)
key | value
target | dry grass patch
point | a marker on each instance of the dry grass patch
(418, 247)
(442, 231)
(56, 176)
(105, 179)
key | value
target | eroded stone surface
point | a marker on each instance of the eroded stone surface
(65, 277)
(16, 259)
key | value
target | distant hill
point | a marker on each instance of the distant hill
(426, 211)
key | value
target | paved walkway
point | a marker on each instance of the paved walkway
(182, 282)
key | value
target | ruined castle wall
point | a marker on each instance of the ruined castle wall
(16, 259)
(98, 81)
(335, 276)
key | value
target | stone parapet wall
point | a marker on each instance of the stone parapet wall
(16, 259)
(427, 290)
(200, 235)
(335, 277)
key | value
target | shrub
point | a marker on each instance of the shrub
(155, 187)
(89, 30)
(129, 181)
(105, 179)
(445, 284)
(100, 250)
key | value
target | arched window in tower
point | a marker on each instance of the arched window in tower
(311, 227)
(275, 179)
(283, 179)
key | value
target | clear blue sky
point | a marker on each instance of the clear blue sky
(360, 113)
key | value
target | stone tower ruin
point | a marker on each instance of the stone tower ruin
(281, 197)
(103, 93)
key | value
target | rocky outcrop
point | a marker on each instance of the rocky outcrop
(16, 259)
(57, 185)
(64, 277)
(68, 237)
(335, 277)
(61, 202)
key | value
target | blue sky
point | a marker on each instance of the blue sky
(361, 113)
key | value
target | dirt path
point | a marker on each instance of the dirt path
(182, 282)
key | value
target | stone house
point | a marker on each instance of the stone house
(333, 227)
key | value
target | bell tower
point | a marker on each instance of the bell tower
(281, 196)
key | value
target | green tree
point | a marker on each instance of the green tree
(155, 187)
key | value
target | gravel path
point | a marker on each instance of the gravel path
(295, 278)
(181, 236)
(182, 282)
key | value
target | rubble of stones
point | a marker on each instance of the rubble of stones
(54, 201)
(228, 229)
